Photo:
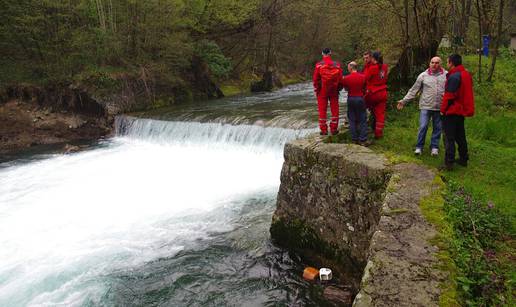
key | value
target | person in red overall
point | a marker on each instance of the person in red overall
(355, 84)
(367, 61)
(376, 92)
(327, 84)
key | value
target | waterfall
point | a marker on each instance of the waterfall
(69, 223)
(164, 213)
(215, 134)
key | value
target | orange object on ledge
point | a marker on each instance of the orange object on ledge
(310, 273)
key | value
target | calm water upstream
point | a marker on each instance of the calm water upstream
(173, 211)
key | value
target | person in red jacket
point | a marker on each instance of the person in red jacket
(376, 92)
(355, 84)
(458, 102)
(367, 60)
(327, 84)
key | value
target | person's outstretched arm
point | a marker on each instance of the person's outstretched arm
(411, 94)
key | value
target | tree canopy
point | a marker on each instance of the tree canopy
(55, 41)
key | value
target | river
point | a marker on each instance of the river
(174, 210)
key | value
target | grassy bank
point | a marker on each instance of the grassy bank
(478, 209)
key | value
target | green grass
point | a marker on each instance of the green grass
(433, 208)
(490, 178)
(491, 173)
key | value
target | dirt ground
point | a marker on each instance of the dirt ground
(23, 125)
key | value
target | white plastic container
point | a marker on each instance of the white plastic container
(325, 274)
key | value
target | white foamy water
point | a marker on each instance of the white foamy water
(68, 221)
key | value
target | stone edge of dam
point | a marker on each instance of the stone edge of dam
(347, 207)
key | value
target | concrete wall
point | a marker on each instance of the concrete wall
(329, 201)
(346, 207)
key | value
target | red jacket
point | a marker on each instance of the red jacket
(376, 77)
(366, 66)
(355, 84)
(327, 77)
(458, 96)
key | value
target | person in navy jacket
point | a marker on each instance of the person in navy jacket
(355, 85)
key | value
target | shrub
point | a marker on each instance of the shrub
(478, 227)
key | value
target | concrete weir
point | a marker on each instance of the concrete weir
(346, 207)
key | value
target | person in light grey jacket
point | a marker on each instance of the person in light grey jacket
(430, 84)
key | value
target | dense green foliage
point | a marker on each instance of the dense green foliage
(178, 43)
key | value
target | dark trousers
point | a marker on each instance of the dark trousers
(453, 126)
(357, 117)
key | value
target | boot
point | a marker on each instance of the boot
(366, 143)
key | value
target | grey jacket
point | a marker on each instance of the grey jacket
(431, 86)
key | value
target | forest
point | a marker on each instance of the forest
(186, 49)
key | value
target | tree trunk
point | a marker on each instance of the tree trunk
(497, 41)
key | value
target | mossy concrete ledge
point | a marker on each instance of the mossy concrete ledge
(346, 207)
(329, 201)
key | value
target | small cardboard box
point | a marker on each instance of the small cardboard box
(310, 273)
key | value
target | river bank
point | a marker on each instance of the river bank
(26, 124)
(34, 115)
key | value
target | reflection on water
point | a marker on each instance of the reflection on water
(292, 107)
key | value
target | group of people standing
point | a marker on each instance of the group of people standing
(446, 97)
(366, 89)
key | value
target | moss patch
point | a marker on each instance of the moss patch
(232, 90)
(297, 235)
(432, 207)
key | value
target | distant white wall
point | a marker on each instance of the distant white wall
(445, 42)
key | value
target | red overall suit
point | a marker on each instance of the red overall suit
(376, 95)
(366, 66)
(327, 84)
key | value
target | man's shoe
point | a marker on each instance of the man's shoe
(435, 152)
(462, 162)
(335, 132)
(366, 143)
(323, 133)
(418, 151)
